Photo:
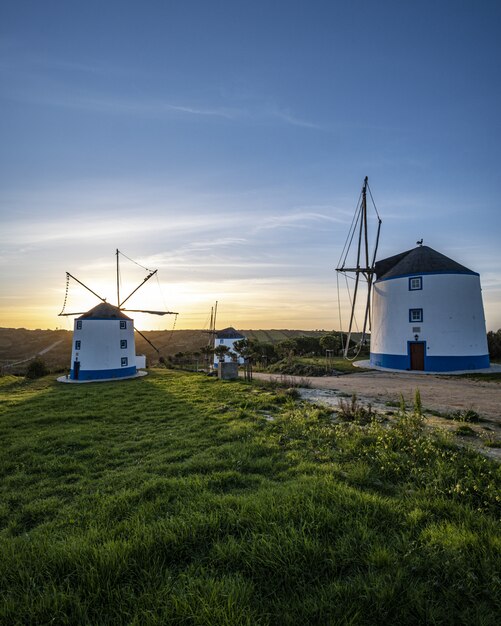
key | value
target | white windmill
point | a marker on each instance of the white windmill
(103, 346)
(424, 309)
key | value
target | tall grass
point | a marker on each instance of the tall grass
(180, 499)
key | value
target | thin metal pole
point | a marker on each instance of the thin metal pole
(118, 280)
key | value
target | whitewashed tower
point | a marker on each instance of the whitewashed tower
(103, 345)
(427, 314)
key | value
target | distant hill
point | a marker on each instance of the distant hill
(19, 345)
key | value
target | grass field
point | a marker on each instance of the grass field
(180, 499)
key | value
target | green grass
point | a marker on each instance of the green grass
(180, 499)
(312, 366)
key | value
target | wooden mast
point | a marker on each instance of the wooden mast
(366, 269)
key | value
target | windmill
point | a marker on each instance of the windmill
(364, 269)
(103, 337)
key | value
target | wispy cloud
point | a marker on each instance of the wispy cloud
(296, 220)
(43, 81)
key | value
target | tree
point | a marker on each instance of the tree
(330, 342)
(221, 351)
(286, 349)
(207, 352)
(307, 345)
(243, 348)
(494, 344)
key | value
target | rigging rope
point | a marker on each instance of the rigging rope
(373, 203)
(132, 260)
(66, 292)
(339, 311)
(351, 232)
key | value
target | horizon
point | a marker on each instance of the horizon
(226, 146)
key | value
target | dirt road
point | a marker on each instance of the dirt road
(34, 356)
(438, 393)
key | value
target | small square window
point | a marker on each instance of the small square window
(77, 345)
(125, 361)
(415, 315)
(123, 324)
(79, 324)
(221, 341)
(415, 283)
(123, 343)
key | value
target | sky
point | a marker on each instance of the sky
(225, 144)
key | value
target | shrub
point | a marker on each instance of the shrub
(353, 411)
(36, 369)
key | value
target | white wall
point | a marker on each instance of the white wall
(229, 343)
(453, 315)
(100, 344)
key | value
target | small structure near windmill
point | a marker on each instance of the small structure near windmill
(103, 345)
(427, 314)
(227, 338)
(423, 309)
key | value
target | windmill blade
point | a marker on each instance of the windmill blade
(88, 288)
(65, 314)
(152, 312)
(147, 340)
(138, 287)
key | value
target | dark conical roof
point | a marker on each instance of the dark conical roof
(104, 311)
(420, 260)
(229, 333)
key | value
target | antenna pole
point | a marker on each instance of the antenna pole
(118, 279)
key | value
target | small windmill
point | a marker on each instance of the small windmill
(104, 346)
(365, 263)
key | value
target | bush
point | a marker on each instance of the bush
(36, 369)
(494, 344)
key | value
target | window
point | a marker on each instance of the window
(77, 345)
(123, 343)
(415, 283)
(123, 324)
(125, 361)
(221, 341)
(415, 315)
(79, 324)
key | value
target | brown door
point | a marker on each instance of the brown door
(417, 356)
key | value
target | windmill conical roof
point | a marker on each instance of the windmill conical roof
(420, 260)
(104, 311)
(229, 333)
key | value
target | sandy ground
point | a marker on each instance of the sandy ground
(442, 394)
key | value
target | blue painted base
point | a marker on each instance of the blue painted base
(432, 363)
(101, 374)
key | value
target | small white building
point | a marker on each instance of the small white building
(427, 314)
(227, 337)
(103, 345)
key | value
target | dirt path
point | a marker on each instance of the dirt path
(44, 351)
(438, 393)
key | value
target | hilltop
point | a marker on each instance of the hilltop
(19, 344)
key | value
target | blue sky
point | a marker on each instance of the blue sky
(226, 143)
